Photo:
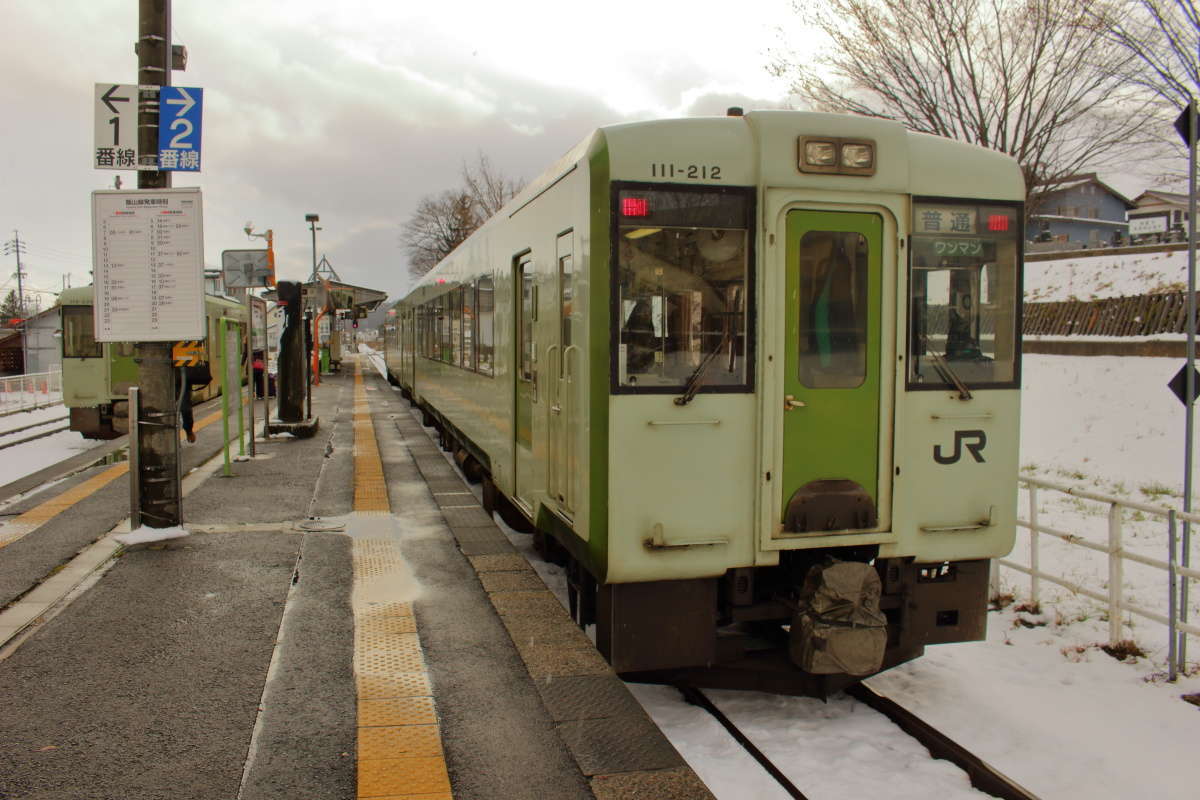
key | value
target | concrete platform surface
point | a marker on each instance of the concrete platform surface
(343, 621)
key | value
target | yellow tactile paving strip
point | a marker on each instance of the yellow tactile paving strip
(370, 491)
(399, 741)
(37, 516)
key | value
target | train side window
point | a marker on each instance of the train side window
(444, 328)
(525, 276)
(486, 303)
(468, 326)
(456, 320)
(833, 310)
(78, 336)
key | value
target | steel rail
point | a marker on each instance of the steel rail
(698, 698)
(41, 435)
(983, 776)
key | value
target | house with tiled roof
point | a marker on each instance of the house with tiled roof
(1078, 212)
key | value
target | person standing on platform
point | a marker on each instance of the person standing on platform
(191, 377)
(259, 369)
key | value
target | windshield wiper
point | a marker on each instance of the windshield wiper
(948, 374)
(697, 377)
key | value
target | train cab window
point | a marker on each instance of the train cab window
(683, 289)
(964, 296)
(833, 310)
(486, 304)
(78, 339)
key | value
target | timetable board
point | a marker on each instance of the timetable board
(148, 260)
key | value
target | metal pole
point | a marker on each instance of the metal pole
(1191, 371)
(267, 373)
(1172, 627)
(135, 500)
(250, 365)
(224, 395)
(158, 460)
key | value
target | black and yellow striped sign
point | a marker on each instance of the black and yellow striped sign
(188, 354)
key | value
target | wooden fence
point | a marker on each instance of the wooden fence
(1143, 315)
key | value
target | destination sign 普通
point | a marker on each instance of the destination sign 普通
(148, 263)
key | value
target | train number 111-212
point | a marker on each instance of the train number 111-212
(691, 171)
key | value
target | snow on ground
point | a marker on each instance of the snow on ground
(21, 460)
(1098, 277)
(1039, 698)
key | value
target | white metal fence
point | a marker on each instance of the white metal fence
(23, 392)
(1175, 563)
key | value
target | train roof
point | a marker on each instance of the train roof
(759, 149)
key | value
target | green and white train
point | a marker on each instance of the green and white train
(97, 375)
(754, 379)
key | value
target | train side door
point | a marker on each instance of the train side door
(525, 292)
(563, 362)
(832, 383)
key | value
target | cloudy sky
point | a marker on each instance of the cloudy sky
(353, 110)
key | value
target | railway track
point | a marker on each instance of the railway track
(12, 436)
(983, 776)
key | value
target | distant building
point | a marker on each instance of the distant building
(1079, 212)
(37, 348)
(1159, 216)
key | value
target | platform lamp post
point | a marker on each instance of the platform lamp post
(312, 220)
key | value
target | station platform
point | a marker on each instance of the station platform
(343, 621)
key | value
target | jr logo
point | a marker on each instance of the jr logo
(974, 440)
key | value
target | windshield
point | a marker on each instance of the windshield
(682, 289)
(77, 335)
(964, 284)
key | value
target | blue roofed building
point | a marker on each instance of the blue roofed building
(1078, 212)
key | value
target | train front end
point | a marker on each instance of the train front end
(813, 396)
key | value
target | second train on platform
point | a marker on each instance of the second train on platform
(753, 379)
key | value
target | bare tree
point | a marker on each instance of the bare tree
(1025, 77)
(442, 222)
(1164, 36)
(489, 189)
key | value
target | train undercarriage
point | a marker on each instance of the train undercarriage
(757, 628)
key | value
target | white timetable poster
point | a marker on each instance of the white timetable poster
(148, 255)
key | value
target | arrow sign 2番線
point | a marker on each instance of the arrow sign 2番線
(116, 126)
(179, 113)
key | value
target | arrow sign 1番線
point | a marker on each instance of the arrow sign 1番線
(179, 113)
(116, 126)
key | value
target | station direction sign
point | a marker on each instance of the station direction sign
(116, 142)
(148, 263)
(116, 126)
(180, 110)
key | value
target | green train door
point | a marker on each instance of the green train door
(831, 386)
(527, 380)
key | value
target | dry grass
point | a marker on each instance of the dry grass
(1124, 649)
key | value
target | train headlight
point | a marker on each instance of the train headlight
(820, 154)
(858, 156)
(824, 154)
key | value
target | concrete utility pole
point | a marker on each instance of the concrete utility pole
(158, 439)
(17, 248)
